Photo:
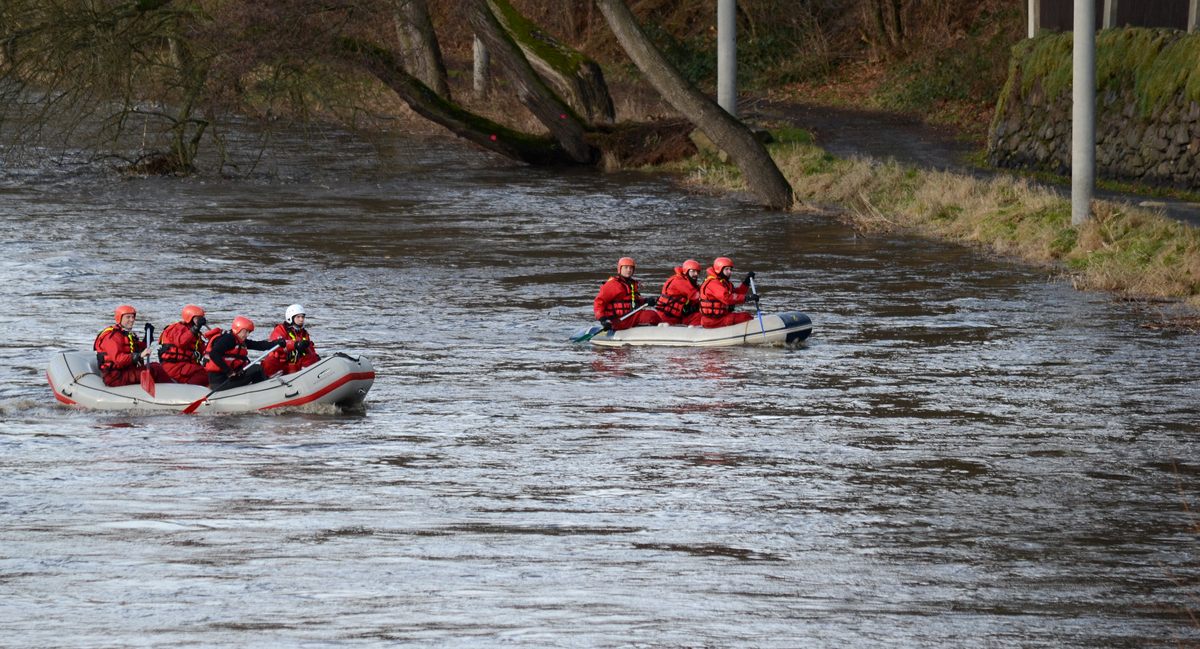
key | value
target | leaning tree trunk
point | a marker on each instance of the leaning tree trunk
(556, 116)
(532, 149)
(418, 45)
(762, 176)
(576, 77)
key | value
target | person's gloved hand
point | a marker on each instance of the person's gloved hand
(606, 324)
(749, 276)
(651, 301)
(199, 321)
(753, 297)
(302, 345)
(235, 374)
(282, 342)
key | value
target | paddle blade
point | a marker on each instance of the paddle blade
(195, 404)
(148, 382)
(585, 335)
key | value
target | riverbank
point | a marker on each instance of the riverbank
(1133, 253)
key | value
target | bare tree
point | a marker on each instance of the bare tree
(887, 20)
(187, 66)
(562, 122)
(74, 67)
(573, 75)
(532, 149)
(762, 175)
(418, 45)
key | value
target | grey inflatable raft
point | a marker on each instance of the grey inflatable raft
(338, 379)
(776, 329)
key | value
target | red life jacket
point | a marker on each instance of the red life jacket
(627, 302)
(179, 344)
(106, 363)
(235, 358)
(675, 298)
(292, 335)
(710, 307)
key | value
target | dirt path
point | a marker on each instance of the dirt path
(846, 132)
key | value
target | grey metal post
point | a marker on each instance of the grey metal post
(1193, 15)
(480, 71)
(1109, 20)
(1035, 16)
(1083, 111)
(727, 55)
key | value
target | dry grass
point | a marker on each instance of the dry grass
(1129, 251)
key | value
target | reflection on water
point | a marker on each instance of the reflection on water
(964, 454)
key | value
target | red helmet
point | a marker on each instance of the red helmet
(625, 261)
(721, 263)
(240, 324)
(122, 310)
(190, 311)
(692, 264)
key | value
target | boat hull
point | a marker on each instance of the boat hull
(777, 329)
(339, 379)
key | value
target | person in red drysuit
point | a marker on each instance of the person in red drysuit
(300, 351)
(228, 363)
(181, 346)
(619, 296)
(122, 355)
(679, 301)
(718, 296)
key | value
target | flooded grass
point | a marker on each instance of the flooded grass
(1133, 252)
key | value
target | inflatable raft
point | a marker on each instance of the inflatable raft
(777, 329)
(339, 379)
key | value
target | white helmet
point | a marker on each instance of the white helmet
(292, 311)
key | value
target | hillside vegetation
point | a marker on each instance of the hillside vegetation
(943, 59)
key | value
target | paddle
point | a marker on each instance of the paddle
(147, 375)
(757, 309)
(592, 334)
(196, 404)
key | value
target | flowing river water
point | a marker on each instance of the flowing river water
(966, 453)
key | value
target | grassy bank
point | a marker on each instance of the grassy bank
(1131, 252)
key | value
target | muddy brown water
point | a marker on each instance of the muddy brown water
(965, 454)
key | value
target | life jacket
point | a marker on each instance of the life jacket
(235, 358)
(677, 303)
(106, 363)
(179, 344)
(295, 336)
(618, 308)
(710, 307)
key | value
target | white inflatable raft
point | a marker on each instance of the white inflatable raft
(338, 379)
(777, 329)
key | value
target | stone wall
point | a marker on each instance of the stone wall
(1147, 108)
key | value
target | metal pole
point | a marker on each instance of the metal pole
(1193, 15)
(1083, 111)
(727, 55)
(1110, 14)
(1035, 16)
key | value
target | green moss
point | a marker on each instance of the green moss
(1047, 60)
(1155, 64)
(530, 36)
(1175, 70)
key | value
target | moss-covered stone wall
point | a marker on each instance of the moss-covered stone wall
(1147, 107)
